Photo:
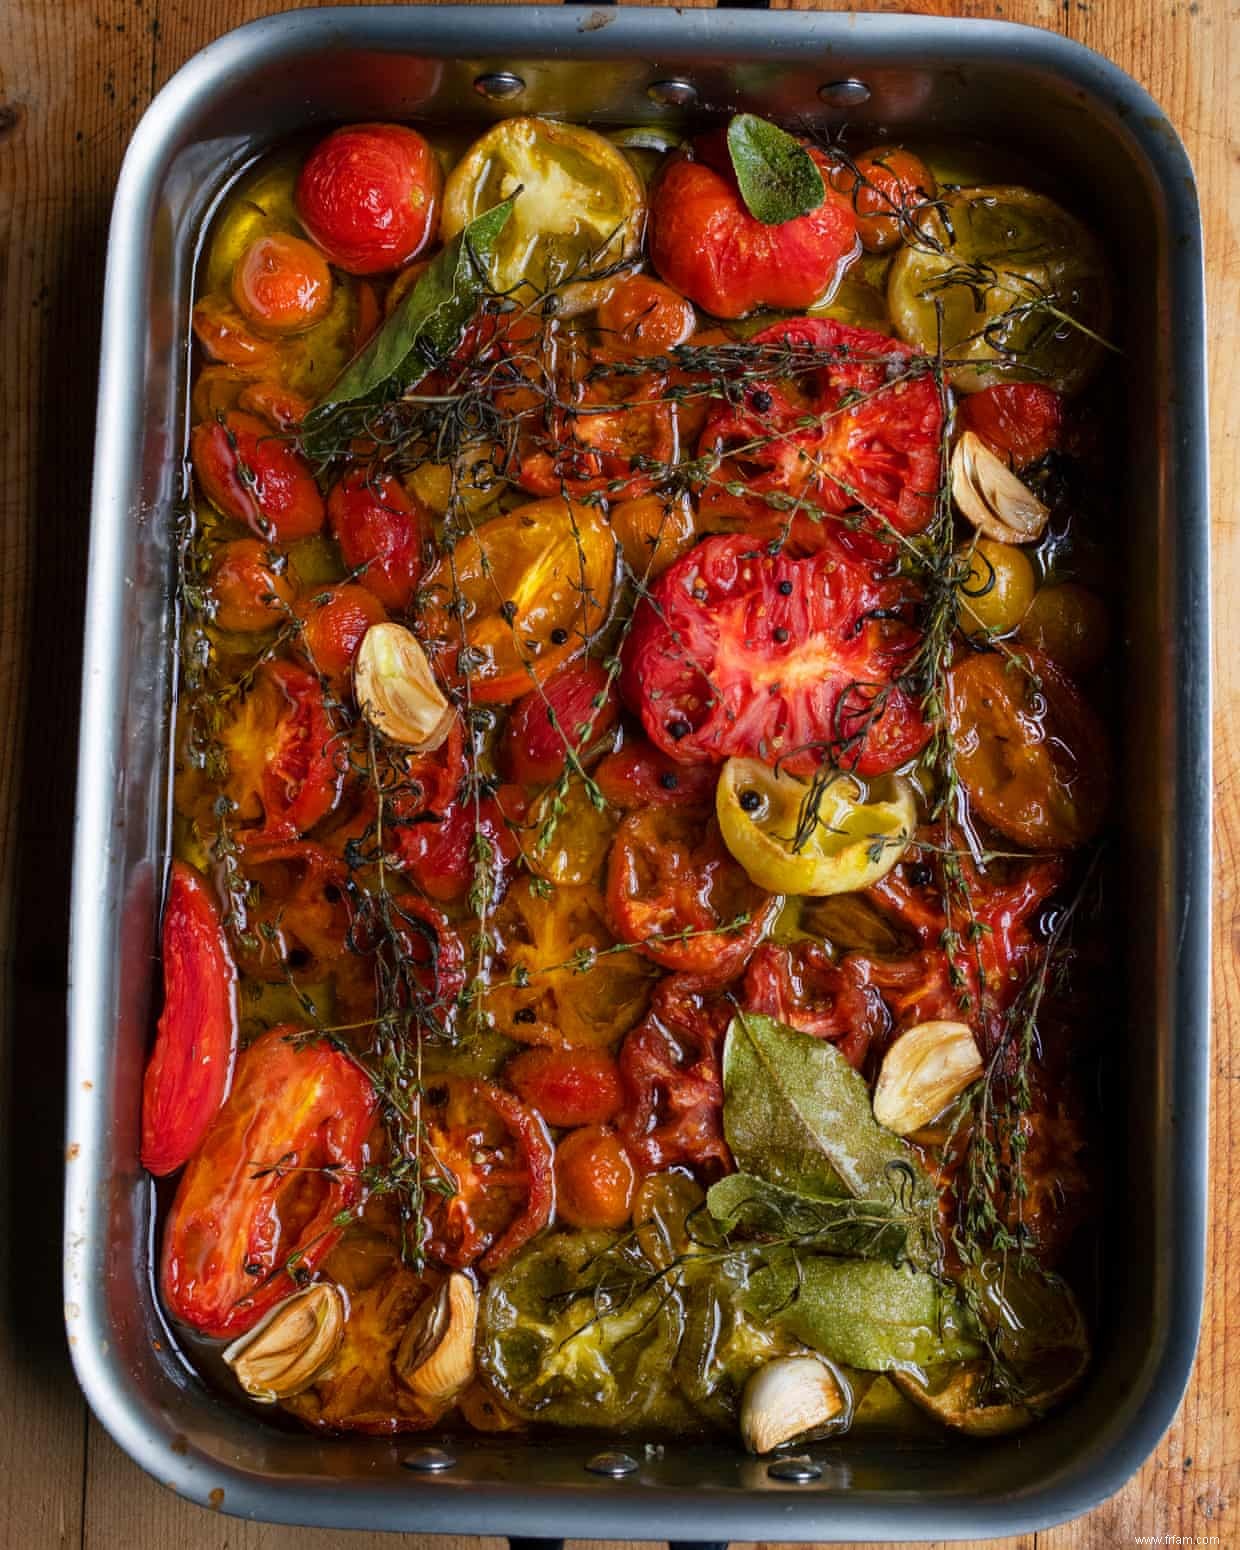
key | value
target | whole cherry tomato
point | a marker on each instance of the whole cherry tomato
(496, 1156)
(575, 708)
(249, 585)
(369, 196)
(1021, 420)
(638, 775)
(594, 1179)
(803, 986)
(705, 244)
(254, 476)
(644, 317)
(567, 1086)
(281, 284)
(380, 532)
(257, 1207)
(334, 622)
(889, 187)
(446, 853)
(743, 652)
(671, 874)
(196, 1040)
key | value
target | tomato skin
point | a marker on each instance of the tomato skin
(533, 748)
(594, 1179)
(226, 337)
(191, 1065)
(888, 180)
(281, 285)
(670, 872)
(568, 1087)
(639, 775)
(705, 244)
(381, 533)
(249, 592)
(438, 852)
(802, 986)
(743, 652)
(334, 622)
(642, 316)
(276, 404)
(369, 196)
(1020, 420)
(253, 476)
(229, 1235)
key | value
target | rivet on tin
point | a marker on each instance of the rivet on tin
(614, 1464)
(428, 1461)
(844, 94)
(672, 94)
(794, 1471)
(500, 85)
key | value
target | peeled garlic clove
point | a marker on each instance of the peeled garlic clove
(788, 1400)
(436, 1353)
(922, 1072)
(990, 495)
(396, 689)
(286, 1351)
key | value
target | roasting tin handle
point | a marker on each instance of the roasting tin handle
(672, 1544)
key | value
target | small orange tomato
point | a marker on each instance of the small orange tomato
(278, 405)
(226, 336)
(333, 623)
(594, 1178)
(217, 389)
(887, 185)
(644, 317)
(249, 592)
(281, 284)
(653, 531)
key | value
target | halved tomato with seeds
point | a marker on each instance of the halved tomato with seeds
(799, 662)
(803, 986)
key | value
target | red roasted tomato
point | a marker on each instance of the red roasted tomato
(369, 196)
(256, 1211)
(281, 284)
(888, 187)
(744, 652)
(380, 533)
(803, 986)
(249, 586)
(704, 242)
(254, 476)
(567, 1086)
(196, 1040)
(673, 890)
(442, 852)
(1021, 420)
(848, 421)
(642, 317)
(334, 621)
(576, 707)
(638, 775)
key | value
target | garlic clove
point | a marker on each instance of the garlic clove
(436, 1353)
(990, 495)
(788, 1400)
(287, 1350)
(397, 691)
(922, 1072)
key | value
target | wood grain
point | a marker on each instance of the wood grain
(74, 77)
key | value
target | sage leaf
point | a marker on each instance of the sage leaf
(426, 325)
(867, 1229)
(778, 178)
(863, 1313)
(796, 1114)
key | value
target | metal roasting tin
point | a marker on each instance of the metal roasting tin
(1120, 162)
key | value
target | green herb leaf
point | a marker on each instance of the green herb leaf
(867, 1229)
(796, 1114)
(425, 327)
(863, 1313)
(778, 178)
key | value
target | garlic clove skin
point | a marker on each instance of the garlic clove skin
(397, 691)
(922, 1072)
(789, 1400)
(989, 494)
(436, 1353)
(288, 1349)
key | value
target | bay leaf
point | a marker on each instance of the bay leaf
(778, 178)
(865, 1228)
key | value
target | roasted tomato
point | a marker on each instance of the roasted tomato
(673, 1089)
(744, 652)
(369, 196)
(654, 530)
(280, 406)
(334, 622)
(638, 775)
(803, 986)
(249, 586)
(380, 532)
(254, 476)
(676, 894)
(535, 585)
(1032, 755)
(281, 284)
(705, 243)
(285, 763)
(196, 1040)
(444, 852)
(847, 421)
(495, 1158)
(257, 1207)
(594, 1178)
(567, 1086)
(889, 187)
(642, 317)
(227, 338)
(1068, 623)
(574, 709)
(417, 954)
(1021, 420)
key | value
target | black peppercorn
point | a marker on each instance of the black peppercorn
(678, 729)
(781, 635)
(525, 1014)
(761, 400)
(920, 875)
(750, 801)
(785, 589)
(559, 637)
(669, 781)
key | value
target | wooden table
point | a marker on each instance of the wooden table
(75, 76)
